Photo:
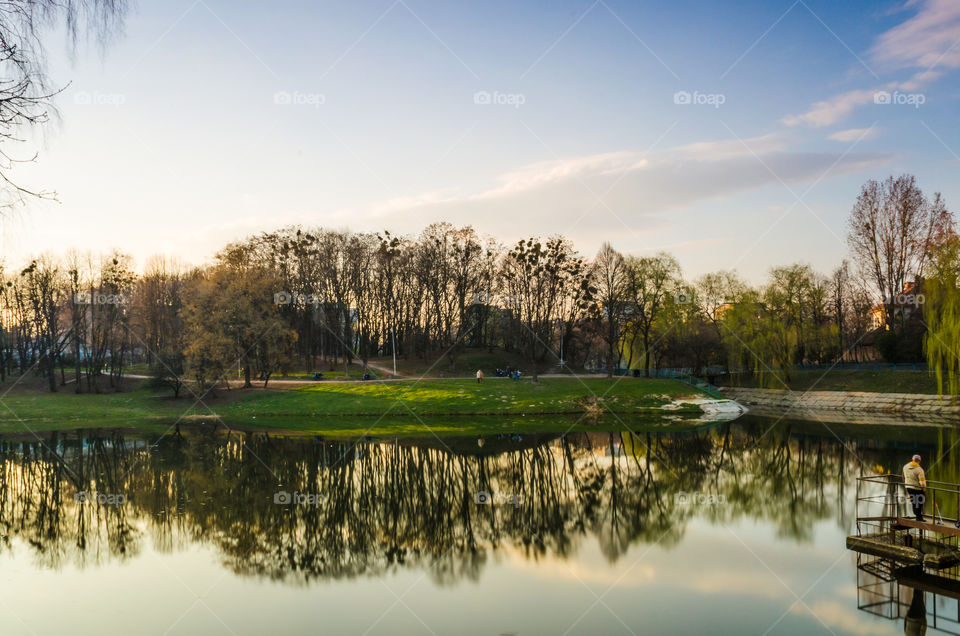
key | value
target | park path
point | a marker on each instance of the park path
(307, 381)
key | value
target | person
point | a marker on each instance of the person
(914, 481)
(479, 376)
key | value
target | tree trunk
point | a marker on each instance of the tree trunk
(646, 353)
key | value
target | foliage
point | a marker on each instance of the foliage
(941, 312)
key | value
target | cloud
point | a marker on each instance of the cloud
(854, 134)
(830, 111)
(928, 40)
(625, 193)
(839, 107)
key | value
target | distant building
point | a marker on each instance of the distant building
(905, 306)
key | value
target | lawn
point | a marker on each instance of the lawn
(404, 407)
(882, 381)
(495, 396)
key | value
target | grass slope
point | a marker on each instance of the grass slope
(884, 381)
(497, 396)
(353, 408)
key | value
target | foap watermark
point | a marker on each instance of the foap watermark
(98, 298)
(496, 98)
(510, 301)
(902, 499)
(484, 498)
(699, 499)
(913, 300)
(302, 300)
(696, 98)
(100, 498)
(284, 498)
(296, 98)
(900, 99)
(94, 98)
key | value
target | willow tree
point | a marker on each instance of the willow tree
(941, 312)
(759, 339)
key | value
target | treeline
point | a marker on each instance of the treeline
(305, 299)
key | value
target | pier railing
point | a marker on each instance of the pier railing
(884, 497)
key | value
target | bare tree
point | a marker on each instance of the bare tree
(25, 91)
(891, 229)
(610, 278)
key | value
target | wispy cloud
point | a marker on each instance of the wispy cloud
(639, 194)
(830, 111)
(853, 134)
(930, 40)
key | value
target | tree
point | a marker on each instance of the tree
(941, 312)
(610, 279)
(45, 285)
(537, 278)
(759, 339)
(232, 316)
(25, 91)
(648, 281)
(892, 228)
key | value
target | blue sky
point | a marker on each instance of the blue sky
(206, 121)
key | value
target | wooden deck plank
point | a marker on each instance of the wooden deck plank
(947, 527)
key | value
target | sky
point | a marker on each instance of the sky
(733, 135)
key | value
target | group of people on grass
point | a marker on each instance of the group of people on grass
(513, 374)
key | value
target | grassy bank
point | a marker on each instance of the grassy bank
(883, 381)
(451, 406)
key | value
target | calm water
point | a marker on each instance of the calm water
(738, 528)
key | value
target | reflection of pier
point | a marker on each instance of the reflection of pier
(908, 569)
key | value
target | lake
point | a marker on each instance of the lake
(733, 528)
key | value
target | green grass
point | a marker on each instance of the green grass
(495, 396)
(884, 381)
(404, 407)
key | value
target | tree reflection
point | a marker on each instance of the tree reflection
(372, 507)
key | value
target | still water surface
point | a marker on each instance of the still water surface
(738, 528)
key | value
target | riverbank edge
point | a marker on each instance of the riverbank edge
(917, 405)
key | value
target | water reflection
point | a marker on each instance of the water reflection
(300, 509)
(294, 511)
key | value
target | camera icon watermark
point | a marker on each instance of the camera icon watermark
(696, 98)
(900, 99)
(682, 298)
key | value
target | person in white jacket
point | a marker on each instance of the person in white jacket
(915, 481)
